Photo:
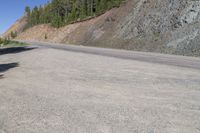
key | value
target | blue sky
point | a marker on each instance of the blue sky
(11, 10)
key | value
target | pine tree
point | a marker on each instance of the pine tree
(82, 12)
(61, 12)
(56, 21)
(27, 11)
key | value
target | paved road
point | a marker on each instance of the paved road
(59, 89)
(181, 61)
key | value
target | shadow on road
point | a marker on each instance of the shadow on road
(14, 50)
(6, 67)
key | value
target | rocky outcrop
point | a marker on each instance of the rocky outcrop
(176, 23)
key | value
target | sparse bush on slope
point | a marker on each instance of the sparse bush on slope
(13, 34)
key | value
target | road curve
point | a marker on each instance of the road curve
(165, 59)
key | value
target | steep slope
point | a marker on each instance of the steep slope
(18, 27)
(167, 26)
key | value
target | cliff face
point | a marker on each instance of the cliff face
(167, 26)
(173, 24)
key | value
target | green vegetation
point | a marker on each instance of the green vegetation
(8, 43)
(5, 41)
(45, 37)
(62, 12)
(1, 41)
(13, 34)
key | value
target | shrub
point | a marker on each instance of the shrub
(45, 37)
(6, 41)
(13, 34)
(1, 41)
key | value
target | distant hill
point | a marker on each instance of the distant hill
(163, 26)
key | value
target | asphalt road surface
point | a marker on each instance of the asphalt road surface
(71, 89)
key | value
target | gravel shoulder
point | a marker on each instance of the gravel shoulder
(54, 90)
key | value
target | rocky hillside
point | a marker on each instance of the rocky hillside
(166, 26)
(171, 26)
